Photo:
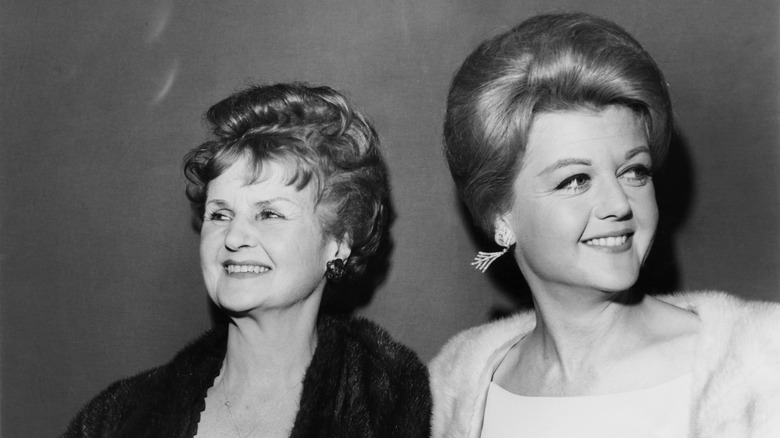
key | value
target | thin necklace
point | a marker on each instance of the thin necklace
(233, 419)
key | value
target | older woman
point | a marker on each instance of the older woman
(292, 197)
(552, 133)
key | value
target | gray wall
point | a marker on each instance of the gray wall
(101, 99)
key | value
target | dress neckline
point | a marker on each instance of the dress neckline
(683, 379)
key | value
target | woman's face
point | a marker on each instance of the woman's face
(584, 211)
(261, 244)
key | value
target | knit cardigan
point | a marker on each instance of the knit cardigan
(360, 383)
(736, 377)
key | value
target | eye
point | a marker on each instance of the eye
(218, 216)
(270, 214)
(637, 176)
(575, 183)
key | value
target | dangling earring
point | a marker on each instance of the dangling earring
(484, 259)
(335, 269)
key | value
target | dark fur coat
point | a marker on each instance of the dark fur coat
(360, 383)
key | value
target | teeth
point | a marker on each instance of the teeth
(608, 241)
(246, 268)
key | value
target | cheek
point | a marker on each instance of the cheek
(646, 210)
(548, 232)
(537, 229)
(300, 246)
(314, 251)
(210, 243)
(555, 221)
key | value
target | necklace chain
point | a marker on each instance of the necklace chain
(233, 419)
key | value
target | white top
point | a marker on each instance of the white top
(659, 411)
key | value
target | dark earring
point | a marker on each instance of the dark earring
(335, 269)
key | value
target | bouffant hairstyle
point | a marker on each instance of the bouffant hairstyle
(321, 138)
(548, 63)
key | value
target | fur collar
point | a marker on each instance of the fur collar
(736, 374)
(360, 383)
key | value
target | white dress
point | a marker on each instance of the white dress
(656, 412)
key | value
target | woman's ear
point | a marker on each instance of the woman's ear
(502, 232)
(343, 247)
(504, 237)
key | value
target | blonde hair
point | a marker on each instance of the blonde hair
(548, 63)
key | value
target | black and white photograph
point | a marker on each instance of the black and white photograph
(380, 219)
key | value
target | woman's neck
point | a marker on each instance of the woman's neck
(589, 342)
(577, 329)
(268, 352)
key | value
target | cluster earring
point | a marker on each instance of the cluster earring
(484, 259)
(335, 269)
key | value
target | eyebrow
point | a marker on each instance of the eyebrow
(583, 162)
(636, 151)
(223, 203)
(217, 202)
(563, 163)
(272, 200)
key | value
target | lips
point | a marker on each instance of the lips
(233, 267)
(607, 241)
(615, 240)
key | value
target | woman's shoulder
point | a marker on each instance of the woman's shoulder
(135, 396)
(732, 325)
(384, 381)
(737, 362)
(723, 312)
(461, 371)
(364, 340)
(737, 336)
(102, 415)
(473, 346)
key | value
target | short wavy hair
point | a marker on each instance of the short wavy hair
(322, 138)
(548, 63)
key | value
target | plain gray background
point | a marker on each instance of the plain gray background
(101, 99)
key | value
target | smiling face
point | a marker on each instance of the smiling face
(262, 245)
(584, 211)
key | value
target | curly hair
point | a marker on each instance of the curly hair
(548, 63)
(322, 138)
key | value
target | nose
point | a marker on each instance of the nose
(240, 234)
(613, 202)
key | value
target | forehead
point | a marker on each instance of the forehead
(272, 181)
(610, 132)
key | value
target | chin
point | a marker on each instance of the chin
(232, 308)
(615, 280)
(618, 277)
(616, 283)
(236, 301)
